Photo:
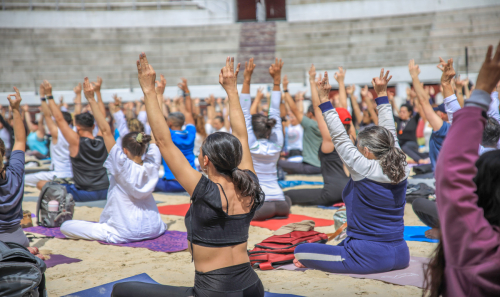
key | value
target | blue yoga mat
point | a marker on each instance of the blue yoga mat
(105, 290)
(293, 183)
(417, 233)
(327, 207)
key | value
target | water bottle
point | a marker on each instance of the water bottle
(53, 205)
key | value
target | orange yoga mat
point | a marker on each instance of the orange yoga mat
(272, 224)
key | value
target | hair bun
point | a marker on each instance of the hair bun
(139, 137)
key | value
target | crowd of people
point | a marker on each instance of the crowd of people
(229, 155)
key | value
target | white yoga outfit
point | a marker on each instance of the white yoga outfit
(60, 165)
(130, 213)
(266, 152)
(294, 137)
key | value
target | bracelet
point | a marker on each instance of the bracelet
(43, 99)
(77, 103)
(50, 97)
(186, 94)
(285, 91)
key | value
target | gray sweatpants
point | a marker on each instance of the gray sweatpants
(15, 234)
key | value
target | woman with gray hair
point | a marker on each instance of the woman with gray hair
(375, 195)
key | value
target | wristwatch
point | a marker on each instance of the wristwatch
(50, 97)
(43, 99)
(285, 91)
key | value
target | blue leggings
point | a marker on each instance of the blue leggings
(84, 196)
(167, 185)
(355, 256)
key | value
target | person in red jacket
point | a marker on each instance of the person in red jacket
(467, 260)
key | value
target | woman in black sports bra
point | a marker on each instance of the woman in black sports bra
(222, 204)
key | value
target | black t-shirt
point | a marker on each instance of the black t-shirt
(209, 225)
(89, 173)
(406, 130)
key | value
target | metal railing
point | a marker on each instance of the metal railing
(107, 5)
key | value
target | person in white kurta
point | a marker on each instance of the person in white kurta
(130, 213)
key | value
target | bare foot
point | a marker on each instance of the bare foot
(298, 264)
(424, 161)
(40, 256)
(433, 233)
(33, 250)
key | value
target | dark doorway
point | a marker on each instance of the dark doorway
(247, 10)
(275, 10)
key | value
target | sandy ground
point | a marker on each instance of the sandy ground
(103, 263)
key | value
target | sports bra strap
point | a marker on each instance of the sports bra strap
(227, 201)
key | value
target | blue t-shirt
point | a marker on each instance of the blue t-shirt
(436, 142)
(36, 145)
(11, 192)
(184, 140)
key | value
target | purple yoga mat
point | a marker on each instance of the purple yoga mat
(59, 259)
(169, 242)
(413, 275)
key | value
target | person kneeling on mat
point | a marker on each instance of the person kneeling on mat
(375, 196)
(130, 213)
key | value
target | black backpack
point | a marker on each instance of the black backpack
(54, 191)
(21, 273)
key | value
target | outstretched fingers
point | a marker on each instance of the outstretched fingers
(496, 58)
(237, 70)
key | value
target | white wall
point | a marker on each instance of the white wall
(377, 8)
(215, 12)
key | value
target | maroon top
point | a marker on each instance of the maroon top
(471, 244)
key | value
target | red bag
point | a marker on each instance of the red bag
(278, 250)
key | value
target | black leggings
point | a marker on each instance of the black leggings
(271, 209)
(298, 168)
(426, 211)
(234, 281)
(411, 149)
(324, 197)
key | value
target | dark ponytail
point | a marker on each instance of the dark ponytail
(381, 143)
(136, 143)
(434, 280)
(262, 126)
(225, 152)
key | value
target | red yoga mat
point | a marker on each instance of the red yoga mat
(272, 224)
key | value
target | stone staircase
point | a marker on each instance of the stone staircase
(257, 40)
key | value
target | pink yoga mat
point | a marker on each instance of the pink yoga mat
(169, 242)
(413, 275)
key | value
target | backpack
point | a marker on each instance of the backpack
(279, 250)
(54, 191)
(21, 273)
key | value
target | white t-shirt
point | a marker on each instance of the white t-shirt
(210, 129)
(131, 211)
(198, 141)
(266, 152)
(5, 136)
(59, 155)
(294, 137)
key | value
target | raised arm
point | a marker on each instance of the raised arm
(107, 134)
(423, 97)
(160, 90)
(450, 99)
(254, 108)
(19, 131)
(176, 162)
(71, 136)
(78, 99)
(293, 107)
(246, 101)
(276, 136)
(327, 144)
(227, 78)
(459, 85)
(48, 116)
(354, 103)
(187, 102)
(459, 213)
(339, 77)
(370, 107)
(97, 89)
(27, 117)
(210, 109)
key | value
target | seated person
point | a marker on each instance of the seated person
(465, 262)
(130, 213)
(406, 127)
(6, 134)
(335, 174)
(223, 203)
(87, 153)
(215, 123)
(36, 142)
(375, 196)
(368, 116)
(60, 163)
(311, 142)
(12, 180)
(183, 139)
(265, 139)
(294, 136)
